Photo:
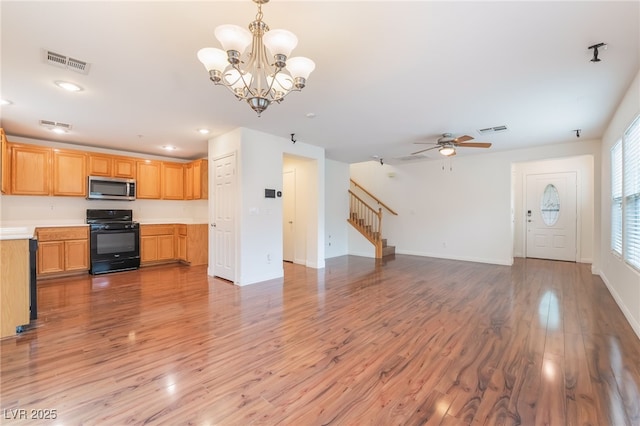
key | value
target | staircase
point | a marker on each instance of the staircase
(368, 221)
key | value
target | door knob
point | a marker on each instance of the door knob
(290, 221)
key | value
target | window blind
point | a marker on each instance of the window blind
(616, 198)
(631, 180)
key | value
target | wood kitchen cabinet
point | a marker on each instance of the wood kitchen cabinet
(192, 243)
(196, 186)
(5, 165)
(148, 183)
(69, 173)
(14, 285)
(112, 166)
(172, 178)
(200, 180)
(62, 250)
(39, 170)
(157, 244)
(188, 181)
(30, 170)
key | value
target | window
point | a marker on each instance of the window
(550, 205)
(616, 198)
(625, 196)
(631, 183)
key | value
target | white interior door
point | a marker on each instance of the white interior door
(551, 216)
(288, 215)
(224, 217)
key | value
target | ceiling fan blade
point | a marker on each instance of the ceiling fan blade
(426, 149)
(474, 145)
(462, 138)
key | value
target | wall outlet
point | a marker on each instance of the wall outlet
(269, 258)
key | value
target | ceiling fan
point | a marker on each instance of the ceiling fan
(447, 144)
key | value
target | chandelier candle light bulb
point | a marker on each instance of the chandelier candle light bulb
(257, 79)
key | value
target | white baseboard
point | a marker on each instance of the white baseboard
(632, 321)
(505, 262)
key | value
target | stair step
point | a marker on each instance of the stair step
(388, 251)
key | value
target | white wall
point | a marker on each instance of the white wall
(583, 167)
(457, 208)
(19, 210)
(259, 229)
(336, 209)
(622, 280)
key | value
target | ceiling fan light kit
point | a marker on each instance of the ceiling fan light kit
(256, 80)
(447, 150)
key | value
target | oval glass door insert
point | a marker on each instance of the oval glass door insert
(550, 205)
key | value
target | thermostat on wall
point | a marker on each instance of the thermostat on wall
(269, 193)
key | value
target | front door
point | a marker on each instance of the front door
(551, 216)
(224, 236)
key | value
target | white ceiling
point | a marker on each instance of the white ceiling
(388, 73)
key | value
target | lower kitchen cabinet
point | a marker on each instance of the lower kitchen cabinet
(192, 244)
(174, 242)
(156, 244)
(62, 250)
(14, 285)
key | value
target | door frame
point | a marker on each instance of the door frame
(585, 166)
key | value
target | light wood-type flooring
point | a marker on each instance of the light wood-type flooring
(410, 341)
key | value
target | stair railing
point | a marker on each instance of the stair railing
(373, 197)
(367, 220)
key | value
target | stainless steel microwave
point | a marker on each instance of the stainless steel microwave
(105, 188)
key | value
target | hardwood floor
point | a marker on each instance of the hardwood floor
(414, 341)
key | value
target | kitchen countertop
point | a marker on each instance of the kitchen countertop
(16, 233)
(19, 231)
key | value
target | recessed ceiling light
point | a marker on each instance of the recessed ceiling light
(204, 131)
(70, 87)
(5, 102)
(169, 147)
(310, 115)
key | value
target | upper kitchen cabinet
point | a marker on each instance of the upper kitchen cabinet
(30, 170)
(148, 179)
(200, 180)
(172, 181)
(5, 172)
(112, 166)
(69, 173)
(196, 185)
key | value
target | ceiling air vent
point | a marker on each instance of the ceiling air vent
(55, 125)
(412, 157)
(62, 61)
(492, 129)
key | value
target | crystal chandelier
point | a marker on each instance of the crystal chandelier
(257, 79)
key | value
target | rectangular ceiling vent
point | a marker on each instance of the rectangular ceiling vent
(412, 157)
(54, 124)
(495, 129)
(61, 61)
